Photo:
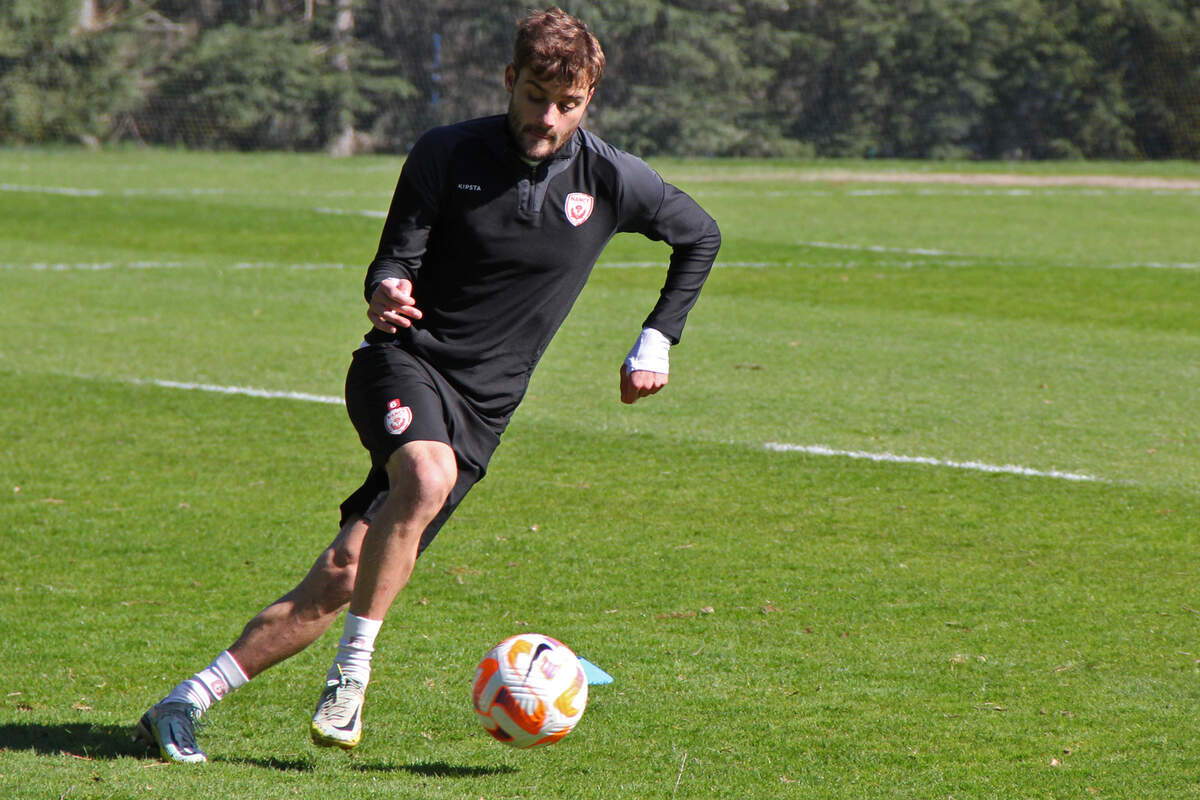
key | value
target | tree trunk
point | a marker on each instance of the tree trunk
(89, 17)
(343, 143)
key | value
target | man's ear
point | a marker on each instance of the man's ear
(510, 77)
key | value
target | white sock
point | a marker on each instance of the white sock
(210, 684)
(355, 648)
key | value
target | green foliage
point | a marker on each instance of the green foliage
(1164, 48)
(917, 79)
(262, 87)
(60, 83)
(240, 86)
(683, 80)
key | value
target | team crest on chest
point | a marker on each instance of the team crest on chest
(398, 418)
(578, 207)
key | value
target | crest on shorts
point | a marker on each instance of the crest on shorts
(578, 207)
(398, 418)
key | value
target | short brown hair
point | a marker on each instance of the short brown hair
(556, 46)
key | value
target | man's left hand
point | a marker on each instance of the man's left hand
(640, 383)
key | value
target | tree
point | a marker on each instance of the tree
(910, 78)
(686, 77)
(61, 82)
(1161, 70)
(343, 34)
(239, 87)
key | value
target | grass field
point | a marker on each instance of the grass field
(917, 517)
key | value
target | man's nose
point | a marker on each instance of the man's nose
(550, 116)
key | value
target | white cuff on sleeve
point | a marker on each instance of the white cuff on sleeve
(651, 353)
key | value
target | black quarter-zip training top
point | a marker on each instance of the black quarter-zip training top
(498, 250)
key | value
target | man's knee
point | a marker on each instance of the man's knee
(423, 474)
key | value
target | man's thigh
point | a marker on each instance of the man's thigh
(394, 399)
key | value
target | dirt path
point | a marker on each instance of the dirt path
(959, 178)
(1011, 179)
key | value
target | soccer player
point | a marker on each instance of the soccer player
(493, 229)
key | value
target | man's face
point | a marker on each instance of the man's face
(543, 115)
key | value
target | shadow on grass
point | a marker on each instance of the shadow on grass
(280, 764)
(81, 739)
(436, 769)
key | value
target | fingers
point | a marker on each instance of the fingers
(392, 305)
(628, 393)
(640, 383)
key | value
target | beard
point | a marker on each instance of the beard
(530, 139)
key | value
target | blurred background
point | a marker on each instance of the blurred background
(936, 79)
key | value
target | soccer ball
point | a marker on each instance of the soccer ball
(529, 690)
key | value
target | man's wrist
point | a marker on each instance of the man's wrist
(651, 353)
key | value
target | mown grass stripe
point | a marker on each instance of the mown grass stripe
(778, 447)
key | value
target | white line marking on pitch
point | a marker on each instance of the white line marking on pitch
(874, 248)
(978, 466)
(197, 191)
(352, 212)
(245, 391)
(63, 190)
(947, 259)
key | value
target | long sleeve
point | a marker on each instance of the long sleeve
(415, 207)
(662, 212)
(694, 239)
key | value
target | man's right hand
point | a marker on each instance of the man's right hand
(392, 305)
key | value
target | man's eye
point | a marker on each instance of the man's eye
(566, 108)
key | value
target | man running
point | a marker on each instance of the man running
(493, 230)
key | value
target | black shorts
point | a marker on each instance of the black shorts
(394, 398)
